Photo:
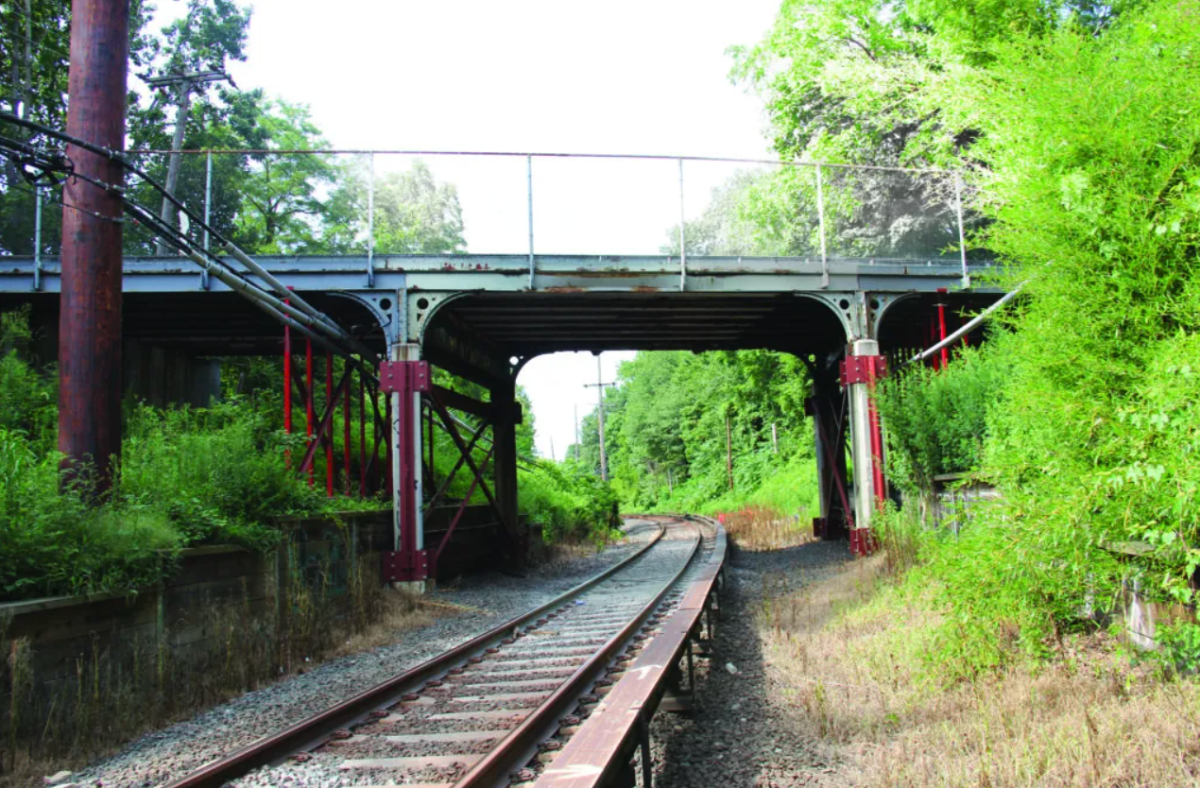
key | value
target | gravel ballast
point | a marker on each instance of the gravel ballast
(489, 600)
(743, 732)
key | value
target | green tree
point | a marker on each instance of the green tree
(414, 213)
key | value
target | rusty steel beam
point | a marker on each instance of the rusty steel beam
(89, 345)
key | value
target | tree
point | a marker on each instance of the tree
(727, 226)
(414, 214)
(285, 195)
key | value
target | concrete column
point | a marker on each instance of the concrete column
(860, 440)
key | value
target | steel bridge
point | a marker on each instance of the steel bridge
(482, 317)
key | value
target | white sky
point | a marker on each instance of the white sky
(649, 76)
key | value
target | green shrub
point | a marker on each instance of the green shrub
(936, 420)
(53, 543)
(218, 472)
(568, 501)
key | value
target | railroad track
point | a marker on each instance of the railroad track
(559, 696)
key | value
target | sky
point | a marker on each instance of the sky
(644, 77)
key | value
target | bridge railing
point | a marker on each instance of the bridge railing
(369, 203)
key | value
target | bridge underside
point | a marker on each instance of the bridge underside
(481, 317)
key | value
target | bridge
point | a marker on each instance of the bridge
(482, 317)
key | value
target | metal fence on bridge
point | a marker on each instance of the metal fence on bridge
(410, 202)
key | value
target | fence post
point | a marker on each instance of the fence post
(371, 223)
(207, 212)
(682, 235)
(821, 229)
(37, 237)
(529, 199)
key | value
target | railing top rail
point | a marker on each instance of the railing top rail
(532, 154)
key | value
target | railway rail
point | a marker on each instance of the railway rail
(560, 696)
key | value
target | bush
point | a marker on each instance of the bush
(936, 421)
(52, 543)
(218, 473)
(568, 501)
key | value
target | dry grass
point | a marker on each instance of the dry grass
(857, 669)
(399, 612)
(759, 528)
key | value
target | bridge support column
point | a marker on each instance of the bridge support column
(507, 415)
(404, 379)
(827, 406)
(860, 370)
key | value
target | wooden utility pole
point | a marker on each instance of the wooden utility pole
(599, 385)
(89, 339)
(184, 83)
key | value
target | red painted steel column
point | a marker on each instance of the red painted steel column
(329, 404)
(308, 400)
(387, 419)
(287, 389)
(876, 436)
(346, 436)
(362, 436)
(89, 345)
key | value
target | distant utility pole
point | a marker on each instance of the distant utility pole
(184, 82)
(552, 458)
(576, 432)
(599, 385)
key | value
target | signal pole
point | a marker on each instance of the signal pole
(599, 386)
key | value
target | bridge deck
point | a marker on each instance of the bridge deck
(551, 273)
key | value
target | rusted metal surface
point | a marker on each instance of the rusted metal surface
(595, 752)
(89, 349)
(370, 704)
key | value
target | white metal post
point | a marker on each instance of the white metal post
(821, 229)
(682, 235)
(860, 440)
(207, 212)
(371, 223)
(37, 237)
(529, 199)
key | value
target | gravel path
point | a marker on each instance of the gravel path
(743, 733)
(169, 753)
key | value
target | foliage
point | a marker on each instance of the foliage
(936, 421)
(568, 501)
(1076, 121)
(52, 543)
(728, 226)
(666, 447)
(218, 473)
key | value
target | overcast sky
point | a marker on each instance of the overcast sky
(620, 77)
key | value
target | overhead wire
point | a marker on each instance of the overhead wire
(298, 308)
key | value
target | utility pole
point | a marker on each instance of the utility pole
(184, 83)
(599, 385)
(576, 432)
(89, 339)
(552, 458)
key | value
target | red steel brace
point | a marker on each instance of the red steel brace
(406, 378)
